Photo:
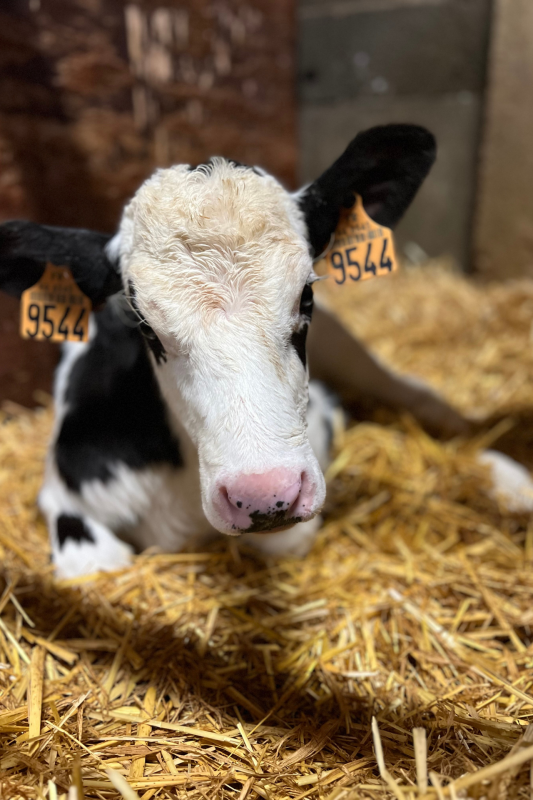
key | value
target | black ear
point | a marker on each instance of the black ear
(385, 165)
(25, 248)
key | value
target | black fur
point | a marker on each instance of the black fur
(73, 528)
(307, 302)
(25, 247)
(271, 521)
(208, 166)
(115, 411)
(385, 165)
(299, 336)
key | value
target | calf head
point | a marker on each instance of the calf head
(218, 263)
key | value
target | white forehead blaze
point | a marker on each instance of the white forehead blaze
(217, 241)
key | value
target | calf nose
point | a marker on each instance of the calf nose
(265, 501)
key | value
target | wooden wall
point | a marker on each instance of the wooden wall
(95, 93)
(503, 241)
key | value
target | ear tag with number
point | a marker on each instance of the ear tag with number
(362, 249)
(55, 308)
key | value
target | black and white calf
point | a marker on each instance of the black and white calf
(185, 413)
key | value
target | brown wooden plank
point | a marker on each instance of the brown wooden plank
(503, 242)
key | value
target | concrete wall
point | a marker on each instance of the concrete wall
(365, 63)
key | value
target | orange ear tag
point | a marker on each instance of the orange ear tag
(55, 308)
(361, 250)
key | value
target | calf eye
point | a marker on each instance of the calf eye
(149, 335)
(153, 342)
(306, 301)
(299, 335)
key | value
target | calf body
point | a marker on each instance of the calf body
(186, 412)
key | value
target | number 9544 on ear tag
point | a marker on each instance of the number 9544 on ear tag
(362, 249)
(55, 308)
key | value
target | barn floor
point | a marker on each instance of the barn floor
(217, 675)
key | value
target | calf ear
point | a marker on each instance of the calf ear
(385, 165)
(26, 247)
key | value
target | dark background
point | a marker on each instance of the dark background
(94, 94)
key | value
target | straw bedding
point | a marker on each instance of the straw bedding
(395, 661)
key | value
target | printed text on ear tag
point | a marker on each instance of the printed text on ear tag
(55, 308)
(362, 249)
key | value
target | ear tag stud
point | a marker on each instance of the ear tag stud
(55, 308)
(361, 250)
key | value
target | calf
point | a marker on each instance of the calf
(185, 413)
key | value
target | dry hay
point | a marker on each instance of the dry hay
(217, 675)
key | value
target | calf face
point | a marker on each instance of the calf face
(218, 265)
(217, 262)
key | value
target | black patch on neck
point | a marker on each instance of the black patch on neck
(116, 414)
(150, 337)
(70, 528)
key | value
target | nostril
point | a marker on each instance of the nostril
(231, 499)
(226, 499)
(305, 503)
(292, 499)
(224, 502)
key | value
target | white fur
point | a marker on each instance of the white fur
(322, 419)
(513, 485)
(112, 248)
(106, 554)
